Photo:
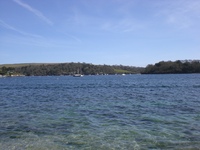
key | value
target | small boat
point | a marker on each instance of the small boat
(77, 75)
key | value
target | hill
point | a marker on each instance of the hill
(176, 67)
(44, 69)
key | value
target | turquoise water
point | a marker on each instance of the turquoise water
(100, 112)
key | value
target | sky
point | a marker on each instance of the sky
(113, 32)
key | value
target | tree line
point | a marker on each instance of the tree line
(176, 67)
(68, 69)
(162, 67)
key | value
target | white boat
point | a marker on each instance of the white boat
(77, 75)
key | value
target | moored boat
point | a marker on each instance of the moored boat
(77, 75)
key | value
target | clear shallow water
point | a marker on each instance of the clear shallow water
(100, 112)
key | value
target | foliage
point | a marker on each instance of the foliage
(186, 66)
(69, 69)
(162, 67)
(6, 71)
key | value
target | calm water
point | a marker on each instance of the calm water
(100, 112)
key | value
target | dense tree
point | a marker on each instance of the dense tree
(162, 67)
(173, 67)
(7, 71)
(70, 69)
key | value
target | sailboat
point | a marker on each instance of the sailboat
(77, 74)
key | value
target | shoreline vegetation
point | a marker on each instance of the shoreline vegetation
(173, 67)
(56, 69)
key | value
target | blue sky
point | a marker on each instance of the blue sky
(127, 32)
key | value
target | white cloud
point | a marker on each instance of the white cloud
(99, 16)
(36, 40)
(181, 13)
(40, 43)
(7, 26)
(34, 11)
(122, 26)
(35, 37)
(73, 37)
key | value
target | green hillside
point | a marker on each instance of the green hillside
(49, 69)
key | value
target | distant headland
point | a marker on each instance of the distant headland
(176, 67)
(56, 69)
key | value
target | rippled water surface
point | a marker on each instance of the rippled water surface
(100, 112)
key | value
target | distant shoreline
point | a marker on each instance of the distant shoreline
(46, 69)
(53, 69)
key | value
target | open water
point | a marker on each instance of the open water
(129, 112)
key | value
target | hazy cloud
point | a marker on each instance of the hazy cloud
(34, 11)
(182, 13)
(7, 26)
(124, 25)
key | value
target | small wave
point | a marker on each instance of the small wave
(196, 86)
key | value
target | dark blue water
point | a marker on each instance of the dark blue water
(100, 112)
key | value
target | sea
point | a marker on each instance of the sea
(113, 112)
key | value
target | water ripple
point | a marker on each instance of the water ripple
(100, 112)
